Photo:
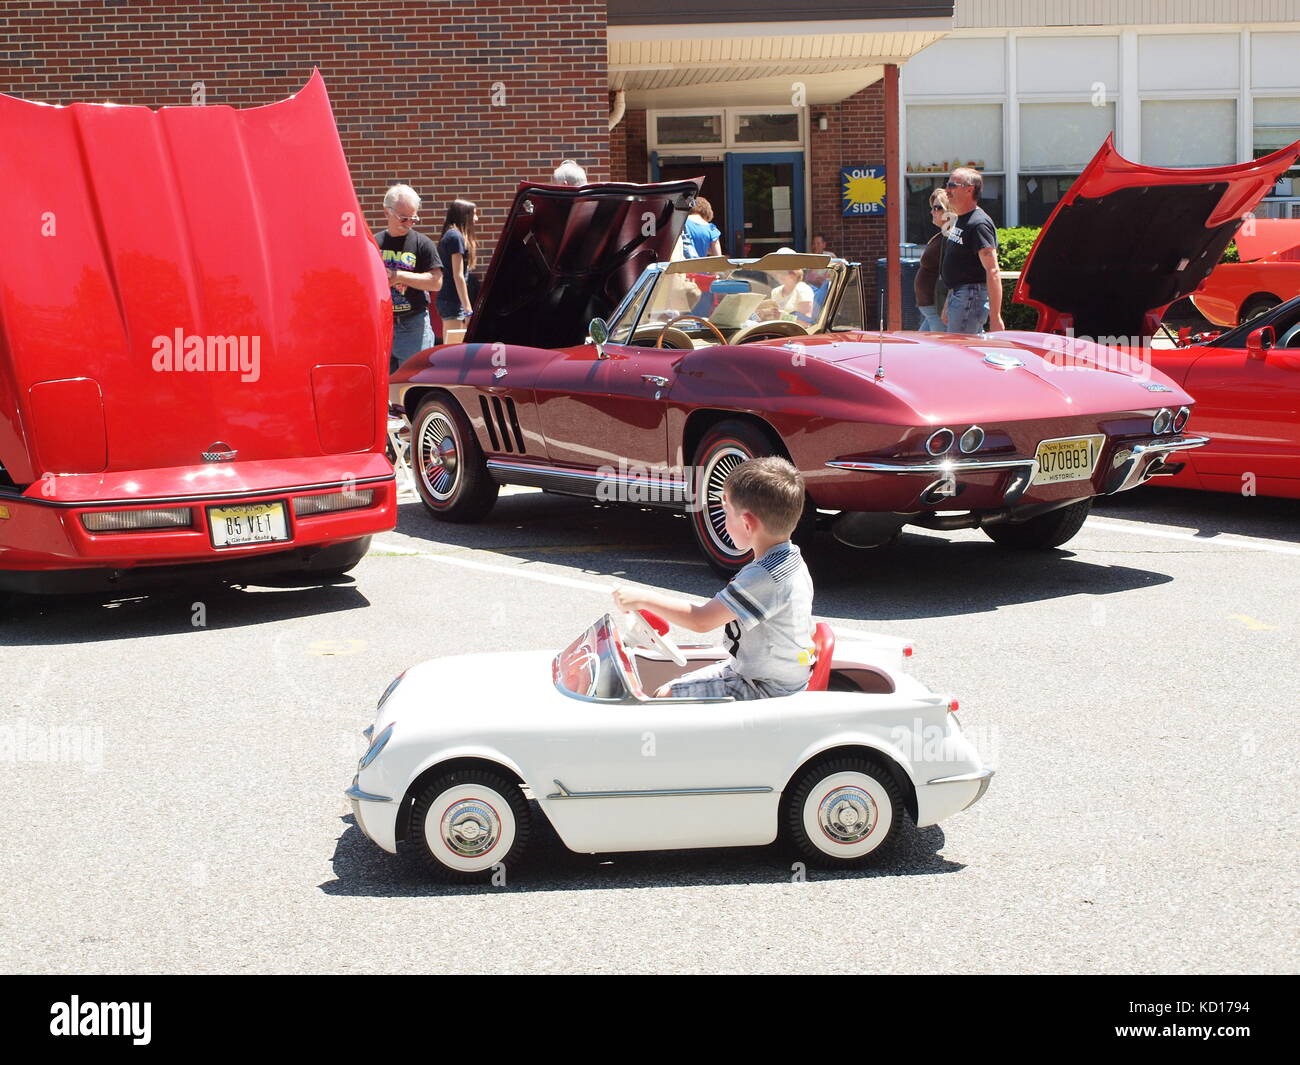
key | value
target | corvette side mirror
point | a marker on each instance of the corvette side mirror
(1260, 341)
(599, 333)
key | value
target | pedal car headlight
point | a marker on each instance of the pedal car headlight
(377, 745)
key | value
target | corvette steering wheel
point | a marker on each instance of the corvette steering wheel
(659, 343)
(644, 635)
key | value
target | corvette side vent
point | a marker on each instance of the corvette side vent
(502, 424)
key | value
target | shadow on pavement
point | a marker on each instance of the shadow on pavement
(362, 869)
(921, 575)
(53, 620)
(1208, 514)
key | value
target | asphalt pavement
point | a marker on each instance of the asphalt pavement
(175, 762)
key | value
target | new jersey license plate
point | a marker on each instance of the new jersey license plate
(248, 523)
(1071, 459)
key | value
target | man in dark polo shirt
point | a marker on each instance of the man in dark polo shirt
(969, 259)
(414, 269)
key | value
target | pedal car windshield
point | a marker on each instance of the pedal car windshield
(596, 666)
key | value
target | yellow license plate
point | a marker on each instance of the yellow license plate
(1071, 459)
(248, 523)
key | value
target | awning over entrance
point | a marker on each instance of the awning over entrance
(754, 63)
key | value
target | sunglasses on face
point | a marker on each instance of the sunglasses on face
(936, 207)
(405, 219)
(957, 185)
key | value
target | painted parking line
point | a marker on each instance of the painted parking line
(1276, 547)
(488, 567)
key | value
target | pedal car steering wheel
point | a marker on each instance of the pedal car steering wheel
(694, 317)
(644, 635)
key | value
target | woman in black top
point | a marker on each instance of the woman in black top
(457, 249)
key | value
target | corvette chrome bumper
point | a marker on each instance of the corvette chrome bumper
(1135, 464)
(931, 466)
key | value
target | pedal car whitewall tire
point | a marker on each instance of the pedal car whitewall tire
(843, 811)
(469, 823)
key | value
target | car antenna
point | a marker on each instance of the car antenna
(880, 361)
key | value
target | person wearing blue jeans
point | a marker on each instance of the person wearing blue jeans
(969, 263)
(414, 270)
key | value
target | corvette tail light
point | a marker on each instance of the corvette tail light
(304, 506)
(1180, 419)
(971, 440)
(1163, 420)
(102, 521)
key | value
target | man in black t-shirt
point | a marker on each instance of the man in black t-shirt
(414, 269)
(969, 259)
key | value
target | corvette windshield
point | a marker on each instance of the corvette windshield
(730, 300)
(595, 667)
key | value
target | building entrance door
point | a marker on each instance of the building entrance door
(764, 203)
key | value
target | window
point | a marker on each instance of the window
(848, 315)
(919, 226)
(940, 138)
(776, 128)
(1277, 125)
(1056, 141)
(1189, 132)
(689, 129)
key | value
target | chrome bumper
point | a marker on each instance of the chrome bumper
(1138, 463)
(984, 776)
(355, 792)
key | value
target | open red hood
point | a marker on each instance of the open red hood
(1128, 240)
(568, 255)
(144, 250)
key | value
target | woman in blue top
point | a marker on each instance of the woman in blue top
(701, 236)
(457, 250)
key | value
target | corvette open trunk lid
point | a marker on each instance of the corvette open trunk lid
(1128, 240)
(187, 285)
(567, 255)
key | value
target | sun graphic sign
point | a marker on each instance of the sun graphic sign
(862, 189)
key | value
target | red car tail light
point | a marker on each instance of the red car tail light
(305, 506)
(953, 706)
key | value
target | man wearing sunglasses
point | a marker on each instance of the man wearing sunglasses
(969, 259)
(414, 269)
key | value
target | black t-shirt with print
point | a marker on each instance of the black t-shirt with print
(961, 250)
(414, 252)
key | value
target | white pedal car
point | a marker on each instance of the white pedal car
(460, 744)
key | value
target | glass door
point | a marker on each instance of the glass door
(764, 203)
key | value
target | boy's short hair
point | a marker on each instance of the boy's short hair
(771, 489)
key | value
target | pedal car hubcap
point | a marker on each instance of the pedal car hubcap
(716, 470)
(439, 459)
(847, 815)
(470, 827)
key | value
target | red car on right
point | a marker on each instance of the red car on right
(1128, 240)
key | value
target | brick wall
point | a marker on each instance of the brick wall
(411, 83)
(855, 135)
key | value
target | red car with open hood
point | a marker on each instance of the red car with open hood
(1127, 241)
(597, 368)
(193, 346)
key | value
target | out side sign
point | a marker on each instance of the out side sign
(862, 190)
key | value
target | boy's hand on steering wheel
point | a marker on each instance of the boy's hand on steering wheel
(626, 600)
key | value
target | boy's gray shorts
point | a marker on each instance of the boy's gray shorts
(719, 680)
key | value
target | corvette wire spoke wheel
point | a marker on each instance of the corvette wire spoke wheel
(439, 456)
(714, 476)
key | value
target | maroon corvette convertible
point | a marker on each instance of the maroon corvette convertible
(597, 368)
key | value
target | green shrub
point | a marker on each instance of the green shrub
(1230, 254)
(1013, 249)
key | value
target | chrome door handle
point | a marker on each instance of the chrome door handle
(655, 379)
